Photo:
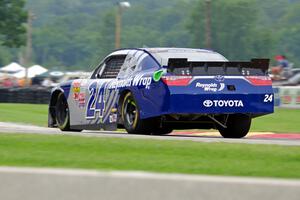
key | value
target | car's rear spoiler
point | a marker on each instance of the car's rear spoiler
(262, 64)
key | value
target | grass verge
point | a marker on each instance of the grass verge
(281, 121)
(24, 113)
(189, 157)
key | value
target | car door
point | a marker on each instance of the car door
(102, 96)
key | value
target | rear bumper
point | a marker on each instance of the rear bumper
(245, 99)
(220, 104)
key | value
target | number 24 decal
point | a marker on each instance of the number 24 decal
(268, 98)
(96, 101)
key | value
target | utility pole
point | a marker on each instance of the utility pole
(118, 27)
(208, 24)
(120, 7)
(28, 51)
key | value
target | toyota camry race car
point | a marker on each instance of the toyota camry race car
(157, 90)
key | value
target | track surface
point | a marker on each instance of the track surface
(253, 138)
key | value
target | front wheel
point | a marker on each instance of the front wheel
(62, 114)
(131, 117)
(238, 126)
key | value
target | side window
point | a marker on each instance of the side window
(97, 71)
(146, 62)
(112, 67)
(130, 63)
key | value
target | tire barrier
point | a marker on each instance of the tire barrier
(33, 95)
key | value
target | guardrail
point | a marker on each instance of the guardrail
(49, 184)
(34, 95)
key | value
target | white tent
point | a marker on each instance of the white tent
(12, 67)
(32, 71)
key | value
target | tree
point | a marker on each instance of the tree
(235, 29)
(13, 16)
(289, 34)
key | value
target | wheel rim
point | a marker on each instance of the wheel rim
(130, 112)
(63, 111)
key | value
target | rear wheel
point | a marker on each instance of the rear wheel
(237, 126)
(131, 117)
(162, 131)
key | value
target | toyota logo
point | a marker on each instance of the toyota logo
(208, 103)
(219, 78)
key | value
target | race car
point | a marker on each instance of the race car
(157, 90)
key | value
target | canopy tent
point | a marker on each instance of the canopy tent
(32, 71)
(12, 68)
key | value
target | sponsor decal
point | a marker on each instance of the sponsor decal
(211, 87)
(76, 87)
(81, 100)
(223, 103)
(113, 118)
(78, 94)
(138, 80)
(76, 90)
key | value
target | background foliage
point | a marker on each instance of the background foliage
(75, 34)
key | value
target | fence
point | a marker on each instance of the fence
(37, 95)
(287, 97)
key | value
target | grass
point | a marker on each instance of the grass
(283, 120)
(24, 113)
(60, 151)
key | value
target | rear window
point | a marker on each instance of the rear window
(192, 55)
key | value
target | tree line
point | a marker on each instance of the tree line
(75, 34)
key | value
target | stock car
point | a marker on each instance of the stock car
(157, 90)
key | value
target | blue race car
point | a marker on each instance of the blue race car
(157, 90)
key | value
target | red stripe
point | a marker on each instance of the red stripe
(259, 80)
(277, 136)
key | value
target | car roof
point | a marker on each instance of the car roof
(160, 50)
(172, 49)
(162, 54)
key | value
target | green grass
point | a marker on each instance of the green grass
(61, 151)
(283, 120)
(24, 113)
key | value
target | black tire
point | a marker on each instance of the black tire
(162, 131)
(238, 126)
(62, 115)
(131, 117)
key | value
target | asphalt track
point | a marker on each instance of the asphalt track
(253, 138)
